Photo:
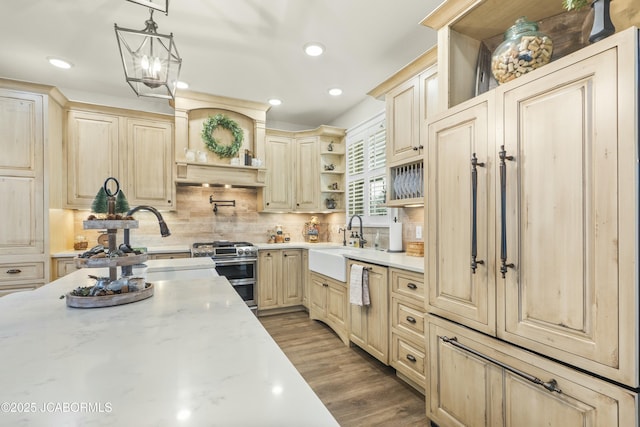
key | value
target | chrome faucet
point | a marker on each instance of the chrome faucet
(361, 240)
(127, 270)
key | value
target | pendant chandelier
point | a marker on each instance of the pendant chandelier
(150, 60)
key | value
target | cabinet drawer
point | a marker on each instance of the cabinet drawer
(408, 358)
(407, 318)
(21, 271)
(172, 255)
(408, 284)
(477, 380)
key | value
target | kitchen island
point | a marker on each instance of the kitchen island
(191, 355)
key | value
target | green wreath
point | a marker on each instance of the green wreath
(225, 122)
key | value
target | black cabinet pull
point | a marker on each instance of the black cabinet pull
(504, 266)
(551, 385)
(415, 148)
(412, 286)
(411, 319)
(14, 271)
(474, 212)
(411, 358)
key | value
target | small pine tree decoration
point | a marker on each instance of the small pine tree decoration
(122, 205)
(99, 204)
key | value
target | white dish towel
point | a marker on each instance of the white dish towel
(359, 285)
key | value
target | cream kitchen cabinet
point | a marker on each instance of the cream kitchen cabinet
(409, 105)
(279, 278)
(170, 255)
(148, 176)
(305, 278)
(411, 97)
(328, 302)
(407, 320)
(24, 127)
(536, 243)
(278, 192)
(62, 266)
(455, 290)
(476, 380)
(306, 174)
(135, 150)
(302, 171)
(369, 325)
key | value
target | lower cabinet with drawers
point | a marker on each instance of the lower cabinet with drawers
(408, 350)
(21, 276)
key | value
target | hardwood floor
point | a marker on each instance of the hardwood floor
(355, 387)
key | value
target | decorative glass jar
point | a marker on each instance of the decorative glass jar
(524, 49)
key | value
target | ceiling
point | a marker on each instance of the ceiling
(245, 49)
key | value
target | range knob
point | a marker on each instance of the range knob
(240, 251)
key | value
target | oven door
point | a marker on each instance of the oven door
(237, 268)
(246, 289)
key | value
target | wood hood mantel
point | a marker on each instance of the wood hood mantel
(191, 111)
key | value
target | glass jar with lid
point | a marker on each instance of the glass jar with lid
(523, 50)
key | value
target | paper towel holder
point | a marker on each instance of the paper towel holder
(395, 220)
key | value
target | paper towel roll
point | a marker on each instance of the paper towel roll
(395, 237)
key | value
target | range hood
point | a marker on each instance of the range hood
(219, 174)
(192, 109)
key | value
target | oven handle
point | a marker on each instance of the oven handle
(239, 261)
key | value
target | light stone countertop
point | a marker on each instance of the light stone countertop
(390, 259)
(191, 355)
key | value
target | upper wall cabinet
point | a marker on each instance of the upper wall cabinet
(137, 150)
(408, 107)
(411, 97)
(305, 171)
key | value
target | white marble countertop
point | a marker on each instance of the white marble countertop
(389, 259)
(191, 355)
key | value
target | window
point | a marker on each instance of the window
(366, 173)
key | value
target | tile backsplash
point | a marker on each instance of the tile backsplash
(195, 221)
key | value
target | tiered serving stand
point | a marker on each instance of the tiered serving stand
(112, 227)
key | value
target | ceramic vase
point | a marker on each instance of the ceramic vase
(602, 25)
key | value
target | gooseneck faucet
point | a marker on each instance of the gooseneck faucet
(361, 240)
(164, 231)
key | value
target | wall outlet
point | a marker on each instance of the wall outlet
(418, 232)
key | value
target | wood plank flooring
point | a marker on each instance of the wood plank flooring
(356, 388)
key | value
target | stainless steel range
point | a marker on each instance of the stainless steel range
(237, 261)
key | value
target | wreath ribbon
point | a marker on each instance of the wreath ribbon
(220, 120)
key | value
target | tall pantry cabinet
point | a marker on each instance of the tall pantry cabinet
(533, 238)
(29, 126)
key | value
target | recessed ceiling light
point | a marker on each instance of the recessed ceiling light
(60, 63)
(275, 101)
(182, 85)
(335, 91)
(314, 49)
